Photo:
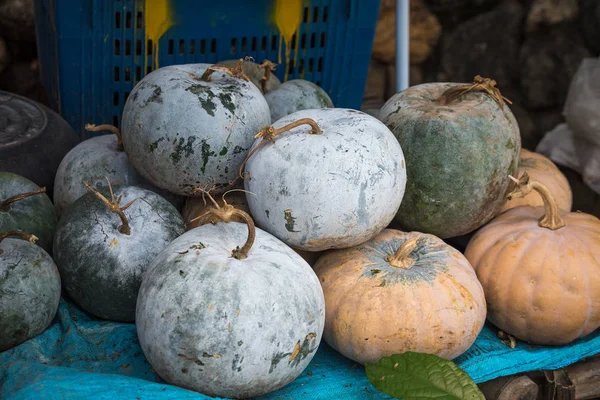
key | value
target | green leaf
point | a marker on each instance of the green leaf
(417, 376)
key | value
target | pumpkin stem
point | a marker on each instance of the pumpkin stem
(231, 71)
(113, 205)
(107, 127)
(479, 84)
(402, 258)
(551, 219)
(226, 214)
(29, 238)
(5, 204)
(268, 66)
(268, 134)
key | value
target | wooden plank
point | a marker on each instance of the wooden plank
(514, 387)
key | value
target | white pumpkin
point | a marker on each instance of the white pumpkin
(224, 326)
(334, 189)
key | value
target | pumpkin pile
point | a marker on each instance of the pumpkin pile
(301, 222)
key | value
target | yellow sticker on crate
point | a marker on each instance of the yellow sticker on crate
(288, 16)
(158, 19)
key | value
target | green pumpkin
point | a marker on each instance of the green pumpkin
(29, 289)
(33, 214)
(459, 154)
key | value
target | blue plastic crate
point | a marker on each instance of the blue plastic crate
(92, 52)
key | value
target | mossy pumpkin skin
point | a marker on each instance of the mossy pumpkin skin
(331, 190)
(181, 132)
(296, 95)
(458, 156)
(226, 327)
(101, 267)
(374, 309)
(98, 156)
(542, 169)
(34, 215)
(29, 291)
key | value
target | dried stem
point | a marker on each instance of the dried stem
(107, 127)
(479, 84)
(268, 66)
(231, 71)
(268, 134)
(226, 214)
(551, 218)
(29, 238)
(402, 258)
(113, 205)
(5, 204)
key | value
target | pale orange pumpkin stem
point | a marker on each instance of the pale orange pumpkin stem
(479, 84)
(5, 204)
(107, 127)
(551, 219)
(268, 134)
(113, 205)
(402, 258)
(29, 238)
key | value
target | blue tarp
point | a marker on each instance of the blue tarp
(81, 357)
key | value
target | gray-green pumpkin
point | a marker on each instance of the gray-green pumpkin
(25, 206)
(101, 255)
(99, 156)
(29, 289)
(460, 149)
(183, 129)
(296, 95)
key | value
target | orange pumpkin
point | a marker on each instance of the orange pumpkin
(196, 206)
(400, 292)
(540, 270)
(543, 170)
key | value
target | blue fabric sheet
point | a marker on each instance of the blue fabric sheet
(80, 357)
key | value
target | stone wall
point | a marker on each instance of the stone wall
(532, 48)
(19, 69)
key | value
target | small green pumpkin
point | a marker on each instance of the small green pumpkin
(25, 206)
(29, 289)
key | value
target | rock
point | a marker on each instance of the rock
(548, 60)
(4, 55)
(543, 121)
(20, 78)
(424, 33)
(550, 12)
(21, 51)
(453, 12)
(17, 20)
(375, 87)
(485, 45)
(589, 23)
(584, 198)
